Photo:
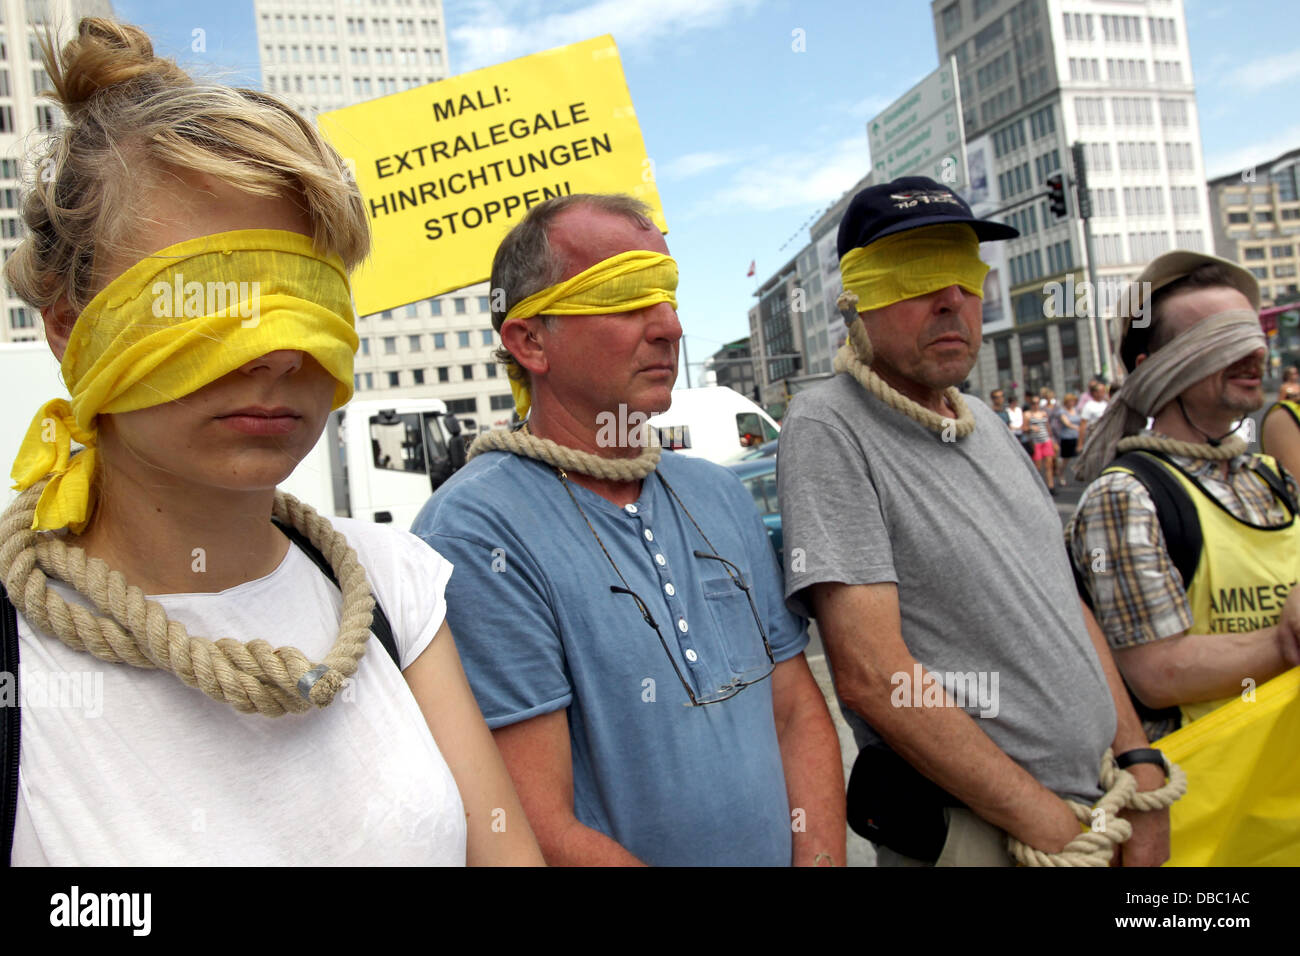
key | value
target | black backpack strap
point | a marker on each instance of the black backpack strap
(11, 720)
(379, 620)
(1181, 527)
(1175, 511)
(1276, 483)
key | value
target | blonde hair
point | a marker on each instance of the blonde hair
(132, 116)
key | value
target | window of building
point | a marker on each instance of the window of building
(467, 372)
(490, 369)
(394, 379)
(487, 336)
(370, 379)
(1238, 217)
(1259, 272)
(501, 403)
(365, 346)
(414, 344)
(390, 345)
(462, 406)
(1284, 271)
(990, 35)
(439, 340)
(418, 375)
(462, 340)
(483, 305)
(1252, 253)
(1263, 215)
(444, 374)
(1282, 252)
(435, 307)
(950, 17)
(460, 305)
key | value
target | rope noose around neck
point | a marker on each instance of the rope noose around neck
(855, 357)
(522, 442)
(251, 677)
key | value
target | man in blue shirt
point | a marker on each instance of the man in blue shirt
(619, 612)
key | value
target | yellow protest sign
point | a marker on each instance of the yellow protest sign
(446, 169)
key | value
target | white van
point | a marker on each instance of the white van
(714, 422)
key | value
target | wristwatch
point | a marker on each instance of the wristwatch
(1144, 755)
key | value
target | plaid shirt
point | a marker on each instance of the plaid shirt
(1115, 541)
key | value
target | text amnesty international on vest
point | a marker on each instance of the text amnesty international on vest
(488, 137)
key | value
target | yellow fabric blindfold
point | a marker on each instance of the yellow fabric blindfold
(627, 282)
(912, 263)
(174, 322)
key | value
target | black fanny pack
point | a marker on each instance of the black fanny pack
(891, 803)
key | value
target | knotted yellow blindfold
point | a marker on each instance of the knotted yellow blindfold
(177, 320)
(627, 282)
(912, 263)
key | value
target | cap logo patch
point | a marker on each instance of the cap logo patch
(913, 197)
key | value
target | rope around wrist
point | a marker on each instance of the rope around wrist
(1097, 847)
(855, 357)
(524, 443)
(251, 676)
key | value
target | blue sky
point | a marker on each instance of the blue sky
(752, 139)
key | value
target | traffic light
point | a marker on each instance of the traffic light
(1056, 195)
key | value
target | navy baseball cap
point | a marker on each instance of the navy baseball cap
(909, 203)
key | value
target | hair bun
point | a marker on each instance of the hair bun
(107, 54)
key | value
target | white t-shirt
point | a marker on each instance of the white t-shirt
(122, 765)
(1092, 410)
(1017, 416)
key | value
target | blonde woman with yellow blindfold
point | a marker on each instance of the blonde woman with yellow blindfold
(189, 251)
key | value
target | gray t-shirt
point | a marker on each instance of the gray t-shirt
(968, 532)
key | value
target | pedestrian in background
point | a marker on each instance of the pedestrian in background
(1068, 424)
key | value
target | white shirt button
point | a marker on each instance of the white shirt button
(669, 590)
(692, 656)
(659, 560)
(630, 509)
(681, 624)
(649, 535)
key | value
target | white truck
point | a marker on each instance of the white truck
(377, 460)
(713, 422)
(380, 459)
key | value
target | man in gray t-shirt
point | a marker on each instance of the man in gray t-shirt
(919, 535)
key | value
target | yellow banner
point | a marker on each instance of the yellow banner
(446, 169)
(1242, 806)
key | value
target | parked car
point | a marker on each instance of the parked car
(758, 475)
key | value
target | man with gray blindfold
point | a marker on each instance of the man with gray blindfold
(1186, 545)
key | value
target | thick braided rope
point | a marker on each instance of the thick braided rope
(854, 358)
(521, 442)
(1093, 848)
(251, 677)
(1227, 449)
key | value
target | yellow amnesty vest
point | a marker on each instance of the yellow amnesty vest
(1244, 574)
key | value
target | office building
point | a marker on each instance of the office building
(1256, 214)
(322, 55)
(1036, 77)
(24, 115)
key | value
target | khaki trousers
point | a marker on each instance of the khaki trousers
(972, 841)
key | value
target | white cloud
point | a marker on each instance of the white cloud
(803, 177)
(1270, 71)
(1252, 154)
(492, 32)
(692, 164)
